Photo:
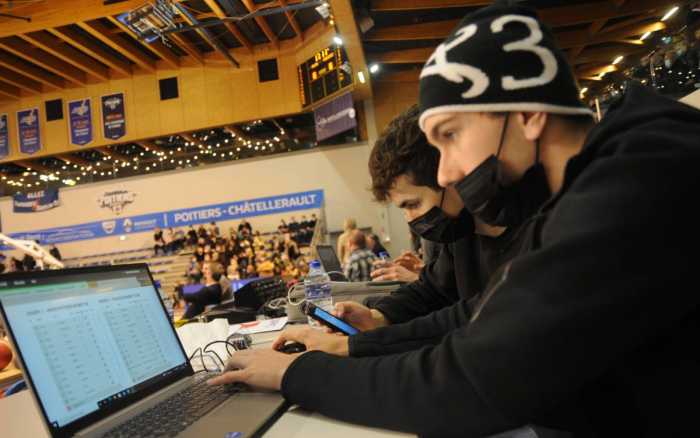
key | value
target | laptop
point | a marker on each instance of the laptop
(329, 259)
(102, 359)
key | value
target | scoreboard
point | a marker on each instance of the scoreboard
(323, 74)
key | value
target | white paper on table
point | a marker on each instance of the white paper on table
(260, 326)
(198, 334)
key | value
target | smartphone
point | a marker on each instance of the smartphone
(329, 320)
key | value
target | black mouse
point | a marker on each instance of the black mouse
(292, 347)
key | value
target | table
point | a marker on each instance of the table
(20, 418)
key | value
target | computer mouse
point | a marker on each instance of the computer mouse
(292, 347)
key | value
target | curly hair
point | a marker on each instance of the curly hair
(402, 149)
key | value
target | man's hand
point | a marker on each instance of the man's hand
(394, 272)
(361, 317)
(314, 339)
(263, 369)
(410, 261)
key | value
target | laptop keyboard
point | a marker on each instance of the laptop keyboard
(173, 415)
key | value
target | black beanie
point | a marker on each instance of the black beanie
(500, 58)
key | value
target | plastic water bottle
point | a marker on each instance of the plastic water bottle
(384, 259)
(317, 288)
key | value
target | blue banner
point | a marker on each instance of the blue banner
(113, 116)
(4, 137)
(80, 121)
(31, 202)
(178, 218)
(28, 131)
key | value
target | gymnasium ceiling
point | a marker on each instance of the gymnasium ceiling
(71, 43)
(592, 32)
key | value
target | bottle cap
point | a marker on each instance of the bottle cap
(315, 264)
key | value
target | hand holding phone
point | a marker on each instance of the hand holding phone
(329, 320)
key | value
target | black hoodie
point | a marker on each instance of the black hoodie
(594, 330)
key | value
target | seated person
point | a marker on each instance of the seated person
(359, 264)
(375, 244)
(589, 330)
(266, 267)
(210, 294)
(158, 242)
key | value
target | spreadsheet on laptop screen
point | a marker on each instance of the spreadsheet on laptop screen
(90, 339)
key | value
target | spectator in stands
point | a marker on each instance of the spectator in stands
(304, 223)
(214, 231)
(159, 243)
(313, 220)
(232, 271)
(210, 294)
(251, 271)
(207, 249)
(191, 236)
(215, 257)
(244, 228)
(207, 258)
(360, 262)
(199, 254)
(293, 226)
(266, 268)
(202, 232)
(257, 241)
(282, 227)
(375, 245)
(194, 270)
(348, 227)
(180, 238)
(53, 250)
(291, 247)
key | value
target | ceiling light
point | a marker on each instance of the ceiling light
(618, 60)
(645, 36)
(670, 13)
(361, 77)
(374, 68)
(338, 40)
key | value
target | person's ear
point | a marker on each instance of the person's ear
(532, 124)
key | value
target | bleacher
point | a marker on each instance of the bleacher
(167, 269)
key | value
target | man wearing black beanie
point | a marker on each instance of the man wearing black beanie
(593, 330)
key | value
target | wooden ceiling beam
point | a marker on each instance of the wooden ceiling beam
(595, 70)
(54, 82)
(156, 47)
(189, 138)
(404, 56)
(604, 55)
(412, 5)
(29, 53)
(187, 47)
(93, 49)
(19, 81)
(577, 38)
(262, 23)
(400, 76)
(33, 166)
(431, 30)
(56, 13)
(10, 91)
(74, 159)
(589, 12)
(292, 20)
(67, 53)
(219, 13)
(149, 145)
(101, 32)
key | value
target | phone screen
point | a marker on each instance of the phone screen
(336, 323)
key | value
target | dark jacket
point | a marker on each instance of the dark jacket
(460, 271)
(594, 330)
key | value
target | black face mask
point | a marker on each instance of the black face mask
(437, 227)
(487, 199)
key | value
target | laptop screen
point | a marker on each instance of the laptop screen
(90, 340)
(329, 259)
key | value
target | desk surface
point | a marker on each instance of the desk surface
(20, 418)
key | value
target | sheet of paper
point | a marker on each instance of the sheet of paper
(260, 326)
(198, 334)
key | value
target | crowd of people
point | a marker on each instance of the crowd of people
(247, 253)
(26, 263)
